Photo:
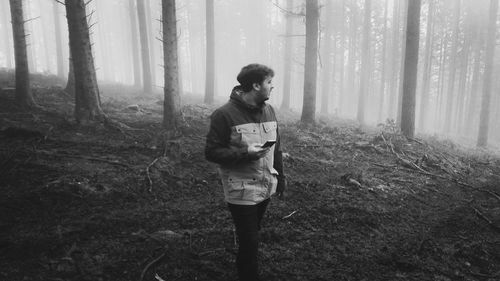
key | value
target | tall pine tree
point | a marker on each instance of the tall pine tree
(24, 96)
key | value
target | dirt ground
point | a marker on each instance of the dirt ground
(103, 203)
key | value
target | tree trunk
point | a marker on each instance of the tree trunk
(70, 84)
(105, 49)
(262, 25)
(126, 67)
(342, 60)
(326, 90)
(23, 91)
(59, 50)
(146, 64)
(7, 41)
(152, 39)
(475, 84)
(30, 47)
(464, 74)
(438, 116)
(196, 46)
(450, 96)
(402, 69)
(171, 104)
(410, 69)
(394, 60)
(484, 117)
(44, 34)
(310, 67)
(287, 71)
(351, 58)
(365, 64)
(210, 56)
(87, 102)
(383, 62)
(135, 45)
(424, 92)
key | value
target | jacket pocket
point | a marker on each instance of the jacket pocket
(241, 189)
(248, 133)
(235, 188)
(269, 129)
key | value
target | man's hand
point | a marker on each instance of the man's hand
(255, 151)
(282, 185)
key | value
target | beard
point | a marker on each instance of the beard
(261, 97)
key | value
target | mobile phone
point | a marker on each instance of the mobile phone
(268, 143)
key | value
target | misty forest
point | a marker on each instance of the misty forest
(387, 113)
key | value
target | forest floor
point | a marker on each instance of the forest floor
(97, 203)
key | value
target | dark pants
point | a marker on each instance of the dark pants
(247, 221)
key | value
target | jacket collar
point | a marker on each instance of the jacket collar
(238, 100)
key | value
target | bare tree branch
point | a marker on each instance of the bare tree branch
(288, 13)
(31, 19)
(92, 25)
(88, 2)
(89, 16)
(159, 39)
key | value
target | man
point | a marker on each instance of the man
(250, 172)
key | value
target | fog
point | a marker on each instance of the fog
(451, 58)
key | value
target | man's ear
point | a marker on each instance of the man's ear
(256, 86)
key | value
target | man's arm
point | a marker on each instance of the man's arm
(218, 148)
(278, 156)
(278, 165)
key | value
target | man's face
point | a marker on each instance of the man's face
(265, 89)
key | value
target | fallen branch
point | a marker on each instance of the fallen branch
(494, 226)
(443, 177)
(422, 171)
(289, 215)
(149, 177)
(491, 193)
(389, 144)
(461, 183)
(354, 182)
(151, 264)
(452, 164)
(417, 141)
(477, 274)
(123, 128)
(410, 163)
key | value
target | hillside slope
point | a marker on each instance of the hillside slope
(104, 203)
